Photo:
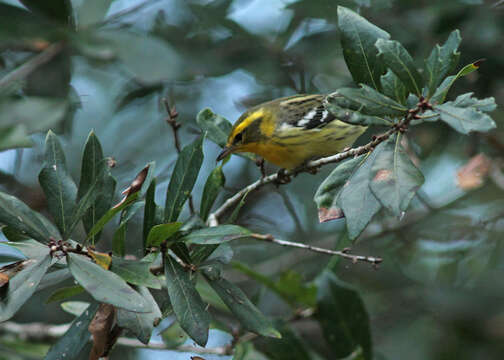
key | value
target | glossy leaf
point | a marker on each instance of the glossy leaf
(141, 325)
(393, 87)
(342, 316)
(464, 119)
(9, 254)
(189, 309)
(64, 293)
(328, 193)
(442, 61)
(367, 101)
(161, 232)
(213, 185)
(30, 248)
(104, 285)
(441, 92)
(215, 126)
(358, 37)
(355, 117)
(290, 347)
(217, 234)
(16, 214)
(119, 239)
(183, 179)
(135, 272)
(95, 173)
(91, 12)
(58, 186)
(397, 58)
(356, 199)
(149, 219)
(76, 337)
(246, 312)
(395, 179)
(22, 285)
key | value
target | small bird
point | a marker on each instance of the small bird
(291, 131)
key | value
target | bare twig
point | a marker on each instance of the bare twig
(343, 253)
(31, 65)
(172, 121)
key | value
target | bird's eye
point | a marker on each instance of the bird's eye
(238, 138)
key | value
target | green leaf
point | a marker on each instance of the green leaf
(95, 170)
(329, 191)
(441, 92)
(30, 248)
(75, 308)
(394, 178)
(22, 285)
(13, 137)
(91, 12)
(110, 214)
(290, 347)
(442, 61)
(160, 233)
(163, 62)
(464, 119)
(16, 214)
(135, 272)
(59, 10)
(355, 117)
(149, 212)
(215, 126)
(64, 293)
(358, 37)
(82, 207)
(367, 101)
(217, 234)
(118, 241)
(246, 313)
(397, 58)
(76, 337)
(356, 199)
(342, 316)
(105, 286)
(58, 186)
(393, 87)
(141, 325)
(183, 178)
(9, 254)
(213, 185)
(189, 309)
(466, 100)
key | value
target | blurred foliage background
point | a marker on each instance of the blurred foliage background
(438, 293)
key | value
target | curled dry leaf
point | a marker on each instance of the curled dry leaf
(328, 214)
(473, 174)
(101, 331)
(102, 259)
(135, 186)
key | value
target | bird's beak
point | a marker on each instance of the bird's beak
(225, 152)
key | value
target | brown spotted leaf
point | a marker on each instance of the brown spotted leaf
(473, 174)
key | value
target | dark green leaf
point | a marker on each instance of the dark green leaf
(397, 58)
(76, 337)
(183, 178)
(110, 214)
(248, 315)
(30, 248)
(16, 214)
(135, 272)
(464, 119)
(9, 254)
(84, 204)
(58, 186)
(213, 185)
(13, 137)
(91, 12)
(393, 87)
(118, 241)
(105, 286)
(58, 10)
(442, 61)
(355, 117)
(367, 101)
(358, 37)
(22, 285)
(329, 191)
(64, 293)
(216, 127)
(343, 317)
(466, 100)
(217, 234)
(149, 211)
(289, 347)
(356, 199)
(394, 178)
(34, 113)
(189, 309)
(441, 92)
(160, 233)
(95, 170)
(140, 324)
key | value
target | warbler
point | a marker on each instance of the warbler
(291, 131)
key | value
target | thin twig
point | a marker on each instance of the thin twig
(31, 65)
(172, 121)
(343, 253)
